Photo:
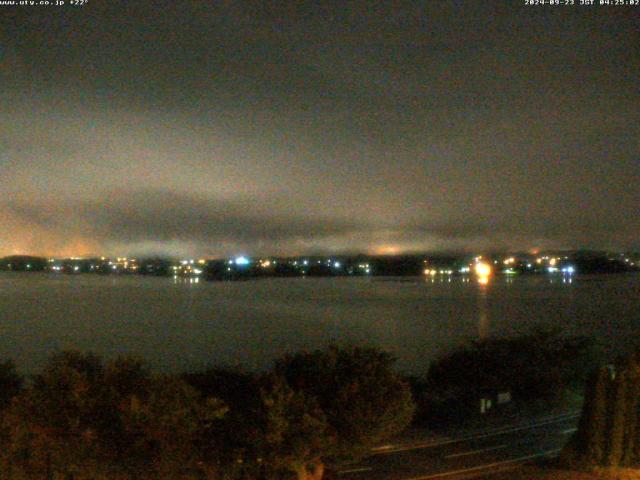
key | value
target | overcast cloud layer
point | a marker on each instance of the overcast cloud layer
(217, 128)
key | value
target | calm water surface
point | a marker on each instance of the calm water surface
(179, 324)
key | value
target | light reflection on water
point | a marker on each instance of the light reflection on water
(483, 314)
(178, 323)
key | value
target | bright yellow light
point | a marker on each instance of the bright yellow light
(552, 262)
(483, 269)
(483, 280)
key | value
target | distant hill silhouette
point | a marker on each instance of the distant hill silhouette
(21, 263)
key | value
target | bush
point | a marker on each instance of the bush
(230, 444)
(363, 399)
(81, 418)
(10, 383)
(313, 409)
(539, 366)
(295, 432)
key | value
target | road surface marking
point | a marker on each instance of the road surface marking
(382, 448)
(473, 452)
(487, 466)
(568, 431)
(494, 433)
(355, 470)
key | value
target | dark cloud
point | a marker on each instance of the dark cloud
(299, 125)
(521, 231)
(160, 221)
(160, 217)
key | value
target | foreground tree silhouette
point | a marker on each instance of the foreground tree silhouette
(10, 383)
(49, 425)
(295, 432)
(81, 419)
(362, 399)
(629, 454)
(608, 430)
(590, 439)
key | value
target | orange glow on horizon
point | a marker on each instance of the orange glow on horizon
(386, 250)
(41, 242)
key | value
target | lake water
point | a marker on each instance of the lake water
(179, 324)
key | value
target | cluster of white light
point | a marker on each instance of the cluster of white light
(242, 260)
(568, 270)
(187, 269)
(365, 267)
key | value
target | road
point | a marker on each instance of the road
(466, 455)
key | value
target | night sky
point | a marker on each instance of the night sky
(219, 128)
